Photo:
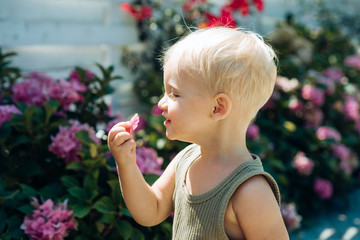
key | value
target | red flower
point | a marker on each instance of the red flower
(140, 13)
(225, 19)
(241, 5)
(259, 4)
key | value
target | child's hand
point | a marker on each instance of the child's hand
(121, 143)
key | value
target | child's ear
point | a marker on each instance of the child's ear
(222, 106)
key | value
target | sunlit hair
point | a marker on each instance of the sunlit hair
(232, 61)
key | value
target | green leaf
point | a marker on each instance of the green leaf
(75, 166)
(104, 205)
(137, 235)
(51, 190)
(126, 212)
(69, 181)
(84, 137)
(29, 191)
(108, 218)
(115, 191)
(93, 150)
(80, 210)
(50, 108)
(27, 209)
(78, 193)
(124, 229)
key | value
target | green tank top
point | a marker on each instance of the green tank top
(199, 217)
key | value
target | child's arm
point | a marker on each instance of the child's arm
(149, 205)
(257, 211)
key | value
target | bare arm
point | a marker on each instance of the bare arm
(257, 211)
(149, 205)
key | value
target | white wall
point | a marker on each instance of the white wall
(53, 36)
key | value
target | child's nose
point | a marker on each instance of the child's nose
(163, 103)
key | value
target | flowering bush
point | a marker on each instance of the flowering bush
(53, 146)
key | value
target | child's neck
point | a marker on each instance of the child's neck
(226, 147)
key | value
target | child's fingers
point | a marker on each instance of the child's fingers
(120, 138)
(114, 131)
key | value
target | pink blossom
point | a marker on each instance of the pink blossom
(351, 108)
(148, 161)
(295, 105)
(323, 188)
(327, 82)
(333, 73)
(6, 112)
(48, 221)
(325, 132)
(291, 218)
(66, 145)
(74, 75)
(253, 131)
(313, 117)
(303, 164)
(343, 153)
(134, 122)
(353, 61)
(37, 88)
(315, 95)
(286, 85)
(156, 110)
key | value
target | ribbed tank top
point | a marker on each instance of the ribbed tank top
(201, 217)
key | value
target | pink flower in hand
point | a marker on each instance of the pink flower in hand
(134, 122)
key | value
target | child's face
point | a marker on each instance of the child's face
(185, 106)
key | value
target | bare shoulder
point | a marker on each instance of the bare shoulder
(257, 210)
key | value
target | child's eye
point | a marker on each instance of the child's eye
(173, 95)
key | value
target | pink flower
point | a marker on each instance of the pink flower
(134, 122)
(303, 164)
(37, 88)
(328, 133)
(65, 145)
(74, 75)
(333, 73)
(148, 161)
(351, 108)
(156, 110)
(291, 218)
(48, 221)
(323, 188)
(314, 95)
(295, 105)
(343, 153)
(286, 85)
(353, 61)
(313, 117)
(253, 131)
(6, 112)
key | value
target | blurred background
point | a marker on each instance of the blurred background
(70, 69)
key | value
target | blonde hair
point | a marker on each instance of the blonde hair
(231, 61)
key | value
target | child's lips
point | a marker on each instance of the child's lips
(167, 122)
